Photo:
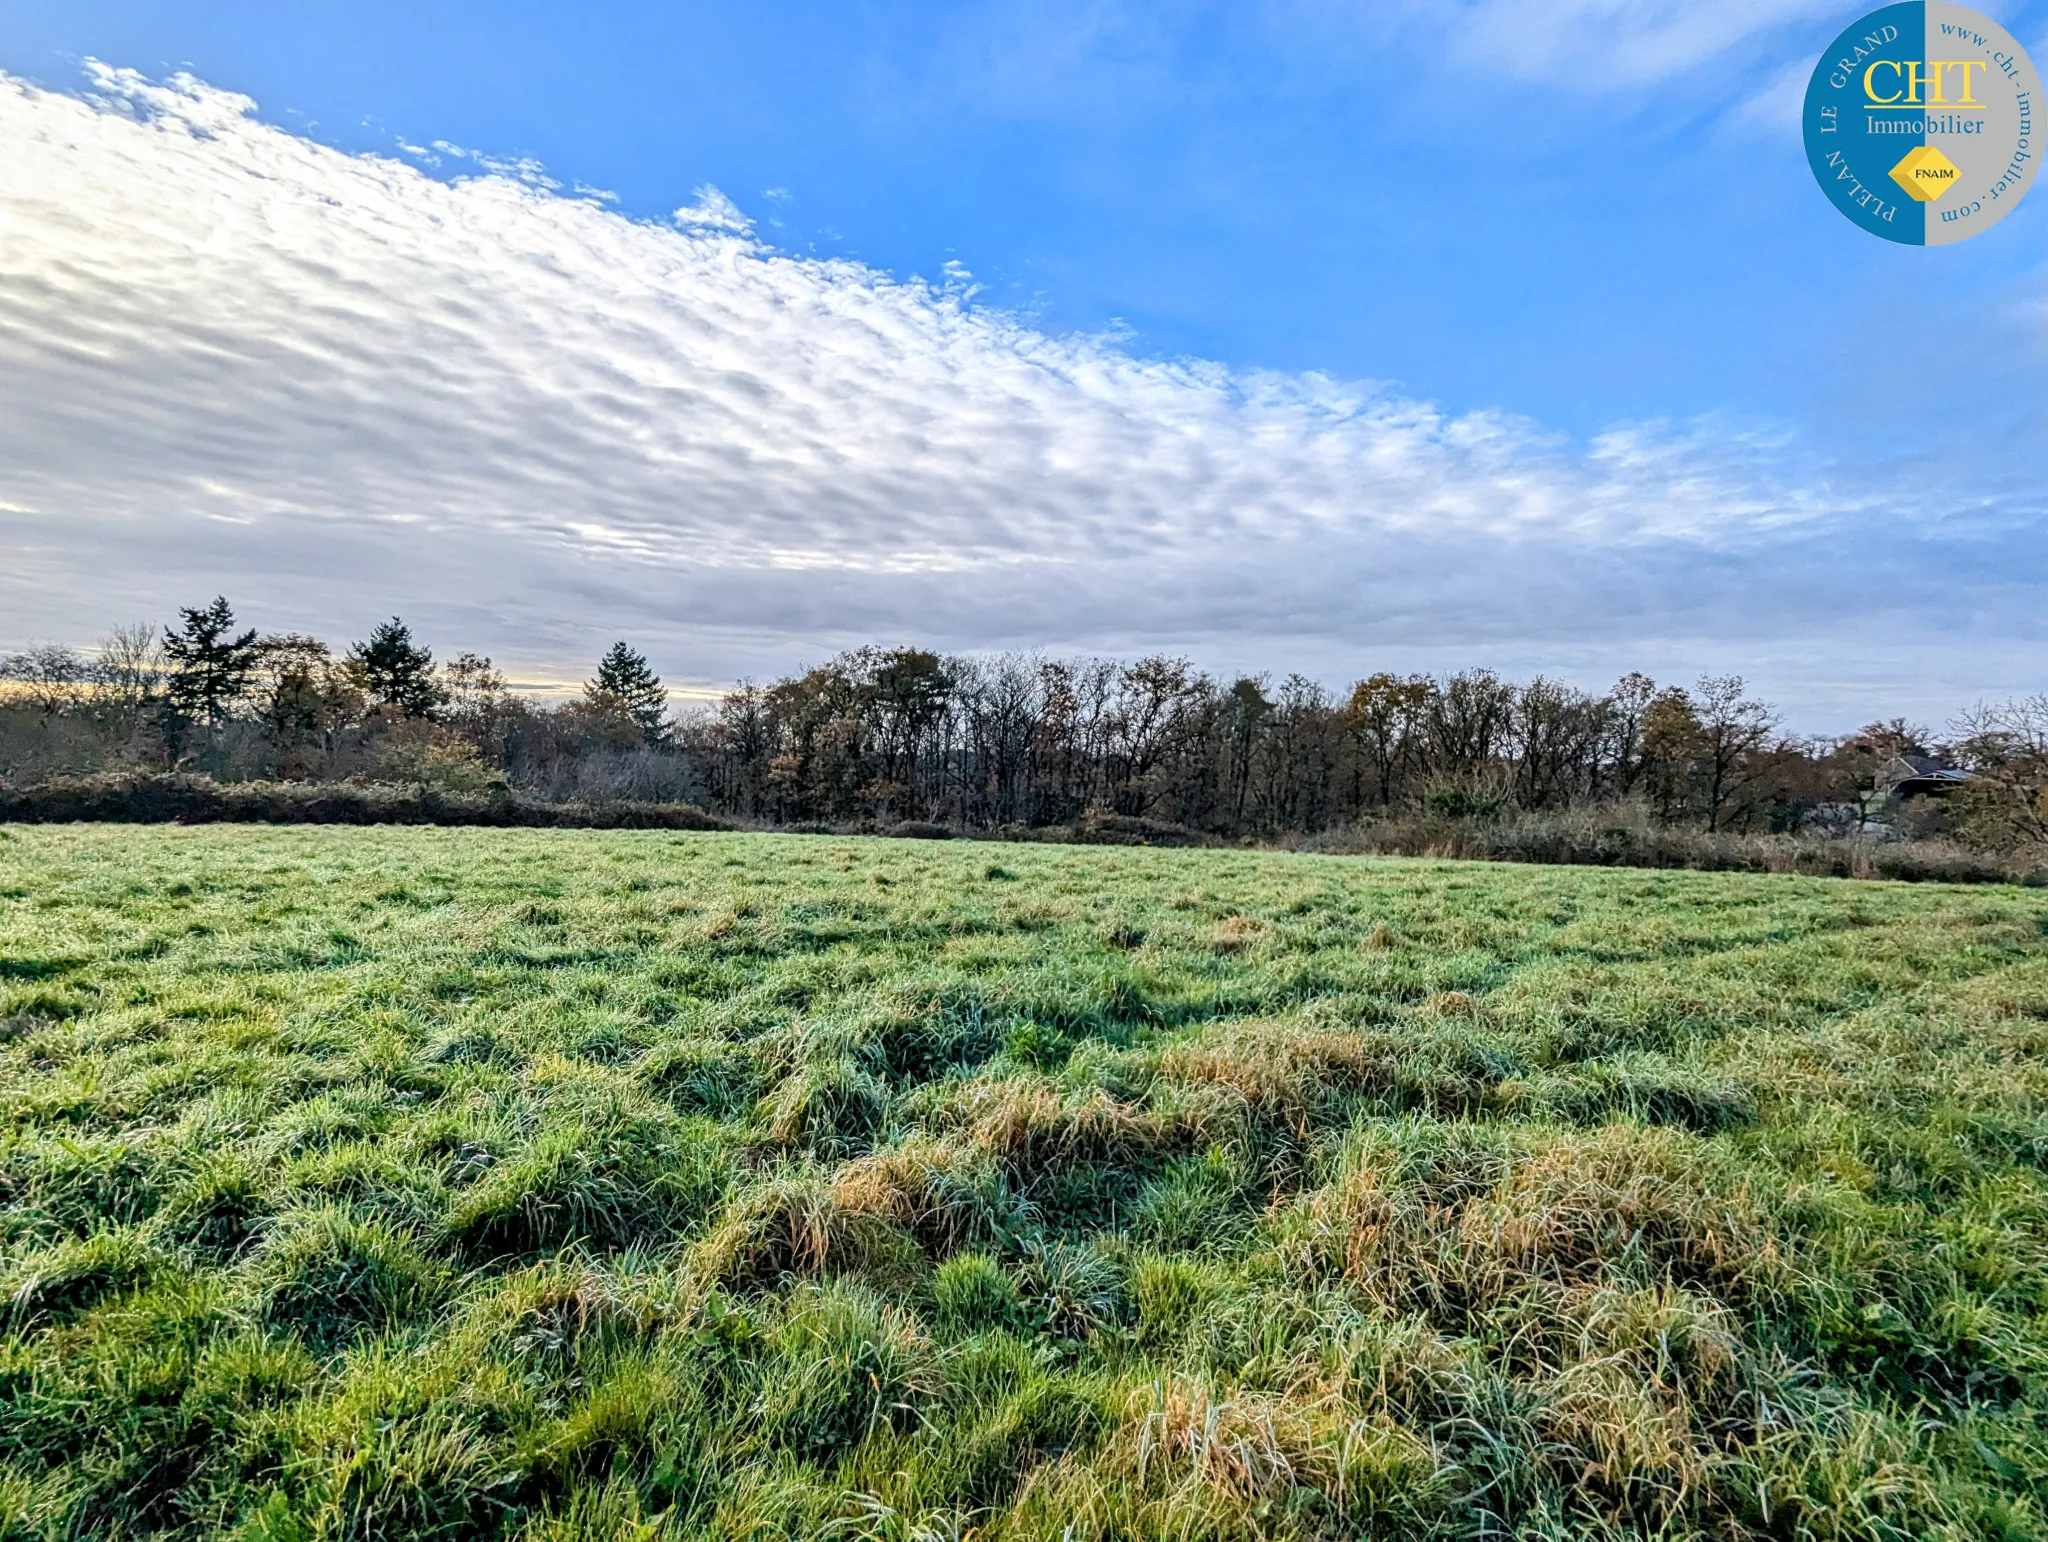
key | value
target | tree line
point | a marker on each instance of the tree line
(884, 736)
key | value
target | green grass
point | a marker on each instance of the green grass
(461, 1183)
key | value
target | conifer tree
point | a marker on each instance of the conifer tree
(210, 666)
(627, 685)
(396, 671)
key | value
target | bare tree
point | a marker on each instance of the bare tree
(1153, 702)
(131, 667)
(1734, 729)
(304, 697)
(1623, 751)
(1555, 733)
(1001, 710)
(1465, 722)
(55, 680)
(2004, 805)
(1383, 719)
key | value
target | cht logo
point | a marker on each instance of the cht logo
(1921, 123)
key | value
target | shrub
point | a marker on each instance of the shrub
(424, 755)
(178, 799)
(1593, 837)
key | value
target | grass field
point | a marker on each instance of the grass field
(543, 1184)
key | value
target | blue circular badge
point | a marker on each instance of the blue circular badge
(1922, 123)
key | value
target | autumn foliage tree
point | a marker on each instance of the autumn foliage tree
(878, 736)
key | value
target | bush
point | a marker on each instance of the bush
(1607, 838)
(177, 799)
(1104, 829)
(418, 754)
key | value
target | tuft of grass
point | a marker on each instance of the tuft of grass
(592, 1182)
(703, 1077)
(57, 1283)
(972, 1292)
(74, 1184)
(843, 1366)
(220, 1208)
(944, 1194)
(329, 1276)
(794, 1227)
(829, 1105)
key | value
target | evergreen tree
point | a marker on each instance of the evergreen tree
(627, 685)
(398, 672)
(210, 666)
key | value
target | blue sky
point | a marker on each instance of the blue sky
(1574, 218)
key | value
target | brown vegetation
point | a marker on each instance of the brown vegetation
(907, 742)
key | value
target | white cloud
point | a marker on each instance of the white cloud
(334, 386)
(713, 212)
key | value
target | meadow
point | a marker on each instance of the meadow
(546, 1184)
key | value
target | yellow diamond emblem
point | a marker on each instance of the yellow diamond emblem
(1925, 173)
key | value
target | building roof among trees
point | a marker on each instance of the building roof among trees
(1912, 776)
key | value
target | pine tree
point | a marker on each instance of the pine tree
(626, 684)
(397, 672)
(209, 666)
